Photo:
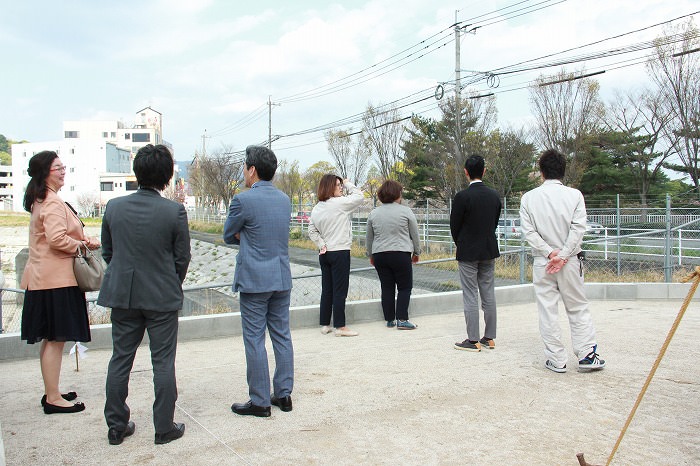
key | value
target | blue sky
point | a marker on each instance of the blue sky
(211, 64)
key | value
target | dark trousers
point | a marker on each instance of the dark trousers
(128, 327)
(395, 273)
(335, 280)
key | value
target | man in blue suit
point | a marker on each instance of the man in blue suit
(258, 220)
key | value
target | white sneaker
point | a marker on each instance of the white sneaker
(345, 332)
(326, 329)
(553, 367)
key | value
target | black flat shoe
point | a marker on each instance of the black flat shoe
(116, 437)
(175, 433)
(70, 396)
(284, 403)
(249, 409)
(53, 409)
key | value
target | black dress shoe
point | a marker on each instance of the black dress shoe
(116, 437)
(249, 409)
(53, 409)
(284, 403)
(175, 433)
(70, 396)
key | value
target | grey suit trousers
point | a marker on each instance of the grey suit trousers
(128, 327)
(478, 275)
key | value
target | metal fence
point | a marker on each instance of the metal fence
(636, 257)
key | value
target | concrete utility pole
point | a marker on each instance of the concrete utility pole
(269, 121)
(458, 77)
(204, 144)
(458, 104)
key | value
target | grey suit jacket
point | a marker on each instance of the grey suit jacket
(146, 244)
(261, 216)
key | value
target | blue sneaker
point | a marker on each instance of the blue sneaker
(391, 323)
(591, 362)
(406, 325)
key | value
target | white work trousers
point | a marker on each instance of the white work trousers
(566, 284)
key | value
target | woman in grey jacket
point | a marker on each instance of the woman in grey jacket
(392, 246)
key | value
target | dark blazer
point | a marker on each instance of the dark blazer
(146, 244)
(473, 222)
(261, 217)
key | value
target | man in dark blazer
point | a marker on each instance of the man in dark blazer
(146, 244)
(258, 220)
(473, 223)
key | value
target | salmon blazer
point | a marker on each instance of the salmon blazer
(55, 233)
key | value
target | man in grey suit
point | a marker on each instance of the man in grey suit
(258, 220)
(146, 242)
(473, 222)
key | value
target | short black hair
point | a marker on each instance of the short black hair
(153, 166)
(39, 169)
(263, 159)
(552, 164)
(474, 165)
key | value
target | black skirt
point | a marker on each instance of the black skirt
(58, 314)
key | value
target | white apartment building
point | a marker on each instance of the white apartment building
(5, 187)
(97, 155)
(146, 129)
(87, 162)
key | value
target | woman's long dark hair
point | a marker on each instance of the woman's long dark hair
(39, 170)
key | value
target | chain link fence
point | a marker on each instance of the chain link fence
(632, 258)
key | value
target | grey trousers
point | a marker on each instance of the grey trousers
(128, 327)
(477, 278)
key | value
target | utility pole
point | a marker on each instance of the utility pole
(269, 121)
(204, 144)
(458, 104)
(458, 77)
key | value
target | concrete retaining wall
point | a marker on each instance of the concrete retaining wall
(221, 325)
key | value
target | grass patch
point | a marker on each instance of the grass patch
(207, 227)
(21, 219)
(14, 219)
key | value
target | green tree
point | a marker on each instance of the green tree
(4, 144)
(313, 174)
(606, 175)
(435, 150)
(289, 180)
(509, 166)
(424, 155)
(5, 157)
(372, 184)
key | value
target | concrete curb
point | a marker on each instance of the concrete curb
(221, 325)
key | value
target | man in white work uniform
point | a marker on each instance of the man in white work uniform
(553, 221)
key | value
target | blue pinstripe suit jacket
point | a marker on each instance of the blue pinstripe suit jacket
(261, 217)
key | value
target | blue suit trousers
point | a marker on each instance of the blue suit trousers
(271, 310)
